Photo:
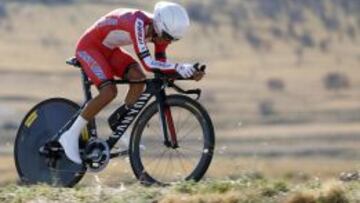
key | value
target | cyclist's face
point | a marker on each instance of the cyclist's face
(161, 40)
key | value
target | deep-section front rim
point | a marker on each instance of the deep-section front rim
(208, 139)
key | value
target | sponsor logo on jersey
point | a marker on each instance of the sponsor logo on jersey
(140, 35)
(96, 69)
(94, 66)
(107, 22)
(86, 57)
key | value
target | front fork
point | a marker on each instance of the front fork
(166, 121)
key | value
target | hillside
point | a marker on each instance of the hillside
(283, 80)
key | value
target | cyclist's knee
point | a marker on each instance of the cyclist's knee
(108, 92)
(135, 73)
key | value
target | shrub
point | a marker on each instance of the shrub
(331, 23)
(200, 13)
(350, 176)
(276, 84)
(266, 108)
(3, 11)
(336, 81)
(253, 39)
(324, 45)
(296, 16)
(271, 9)
(351, 32)
(306, 40)
(274, 189)
(277, 32)
(237, 16)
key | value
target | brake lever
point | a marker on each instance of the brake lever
(199, 67)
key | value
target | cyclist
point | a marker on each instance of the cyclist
(101, 56)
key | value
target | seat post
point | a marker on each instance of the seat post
(86, 86)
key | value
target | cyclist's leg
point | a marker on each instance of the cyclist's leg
(99, 71)
(125, 66)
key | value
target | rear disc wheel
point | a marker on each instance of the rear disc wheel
(41, 123)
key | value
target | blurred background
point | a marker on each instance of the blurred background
(282, 84)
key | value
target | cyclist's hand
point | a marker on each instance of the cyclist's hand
(198, 75)
(200, 71)
(185, 70)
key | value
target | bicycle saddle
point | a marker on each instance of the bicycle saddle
(73, 62)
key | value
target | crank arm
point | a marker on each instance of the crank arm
(118, 153)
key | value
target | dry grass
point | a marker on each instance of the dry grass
(332, 192)
(32, 66)
(244, 189)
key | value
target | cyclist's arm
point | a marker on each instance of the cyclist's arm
(143, 52)
(160, 51)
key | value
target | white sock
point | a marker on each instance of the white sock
(70, 139)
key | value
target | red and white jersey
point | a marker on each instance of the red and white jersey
(123, 27)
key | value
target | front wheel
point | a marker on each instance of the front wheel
(155, 162)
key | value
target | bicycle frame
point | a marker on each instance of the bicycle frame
(154, 87)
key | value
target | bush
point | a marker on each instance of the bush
(200, 13)
(253, 39)
(271, 9)
(306, 40)
(351, 32)
(296, 16)
(277, 32)
(336, 81)
(276, 84)
(325, 45)
(331, 23)
(237, 16)
(266, 108)
(275, 189)
(3, 12)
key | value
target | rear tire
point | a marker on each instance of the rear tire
(41, 123)
(151, 160)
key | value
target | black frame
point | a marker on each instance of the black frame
(154, 87)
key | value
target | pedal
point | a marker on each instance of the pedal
(50, 149)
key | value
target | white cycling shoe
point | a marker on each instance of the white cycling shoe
(70, 144)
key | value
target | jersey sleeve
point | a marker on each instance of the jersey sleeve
(160, 51)
(141, 49)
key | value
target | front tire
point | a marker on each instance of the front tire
(153, 162)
